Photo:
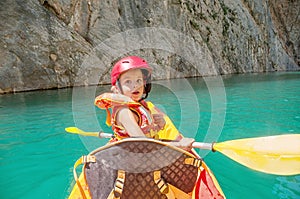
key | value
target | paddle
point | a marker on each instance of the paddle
(278, 154)
(100, 134)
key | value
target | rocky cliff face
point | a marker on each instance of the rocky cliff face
(60, 43)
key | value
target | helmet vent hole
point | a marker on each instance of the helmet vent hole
(125, 62)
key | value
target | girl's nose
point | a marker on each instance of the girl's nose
(136, 85)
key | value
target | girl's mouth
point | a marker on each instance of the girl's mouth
(135, 92)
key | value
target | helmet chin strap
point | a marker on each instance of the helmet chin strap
(144, 97)
(118, 84)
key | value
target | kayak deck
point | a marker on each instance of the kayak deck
(145, 168)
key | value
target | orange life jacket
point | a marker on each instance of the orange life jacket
(116, 102)
(110, 100)
(145, 120)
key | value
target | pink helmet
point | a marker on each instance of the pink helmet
(132, 62)
(127, 63)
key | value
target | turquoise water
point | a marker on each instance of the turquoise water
(37, 156)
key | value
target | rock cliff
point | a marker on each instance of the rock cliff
(60, 43)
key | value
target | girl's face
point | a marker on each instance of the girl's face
(132, 83)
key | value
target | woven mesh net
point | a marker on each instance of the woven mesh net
(139, 159)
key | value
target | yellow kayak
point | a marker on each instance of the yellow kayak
(144, 168)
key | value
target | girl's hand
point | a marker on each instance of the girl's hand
(159, 120)
(184, 143)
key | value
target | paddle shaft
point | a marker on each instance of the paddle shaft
(279, 154)
(105, 135)
(199, 145)
(203, 145)
(101, 134)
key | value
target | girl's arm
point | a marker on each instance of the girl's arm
(126, 118)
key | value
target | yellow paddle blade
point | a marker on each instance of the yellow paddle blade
(76, 130)
(273, 154)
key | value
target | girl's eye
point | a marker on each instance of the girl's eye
(139, 81)
(128, 82)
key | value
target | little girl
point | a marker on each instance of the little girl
(131, 115)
